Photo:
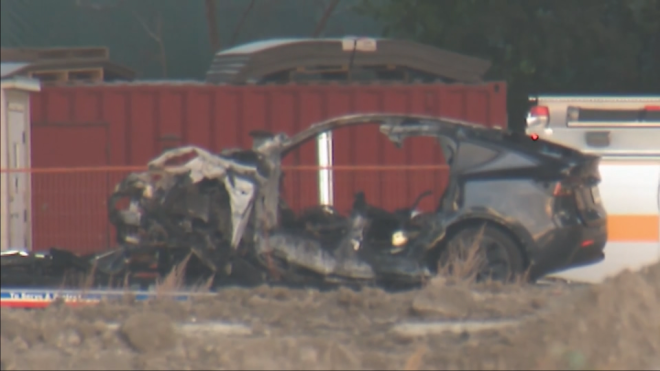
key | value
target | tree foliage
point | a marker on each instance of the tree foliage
(544, 46)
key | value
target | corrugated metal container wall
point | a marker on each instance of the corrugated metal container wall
(129, 124)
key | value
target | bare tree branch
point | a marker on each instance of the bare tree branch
(211, 21)
(156, 35)
(241, 22)
(324, 18)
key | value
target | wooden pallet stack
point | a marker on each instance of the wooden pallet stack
(69, 75)
(66, 65)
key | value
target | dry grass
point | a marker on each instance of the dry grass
(203, 286)
(84, 282)
(463, 263)
(207, 285)
(416, 360)
(174, 280)
(88, 281)
(128, 296)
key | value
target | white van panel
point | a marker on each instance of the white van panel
(628, 189)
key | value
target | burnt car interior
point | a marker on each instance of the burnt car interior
(226, 207)
(198, 204)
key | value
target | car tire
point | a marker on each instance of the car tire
(496, 256)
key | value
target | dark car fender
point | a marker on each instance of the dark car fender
(478, 215)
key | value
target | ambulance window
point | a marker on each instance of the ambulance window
(652, 116)
(611, 115)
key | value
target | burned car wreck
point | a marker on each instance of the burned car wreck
(525, 204)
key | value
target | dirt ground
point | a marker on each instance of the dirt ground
(614, 325)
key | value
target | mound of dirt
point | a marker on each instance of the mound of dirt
(149, 332)
(613, 325)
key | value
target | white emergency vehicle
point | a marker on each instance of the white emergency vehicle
(625, 132)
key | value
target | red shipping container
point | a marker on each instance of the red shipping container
(129, 124)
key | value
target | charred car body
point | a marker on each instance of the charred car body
(528, 201)
(525, 204)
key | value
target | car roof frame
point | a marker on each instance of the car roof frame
(395, 126)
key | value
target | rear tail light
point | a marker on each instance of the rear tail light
(652, 108)
(538, 116)
(587, 243)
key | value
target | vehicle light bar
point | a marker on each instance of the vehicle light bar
(538, 116)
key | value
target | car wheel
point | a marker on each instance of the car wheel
(482, 253)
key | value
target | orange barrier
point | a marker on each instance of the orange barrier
(69, 205)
